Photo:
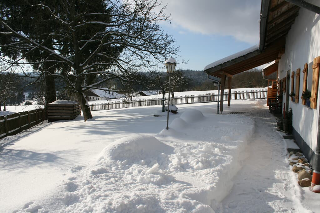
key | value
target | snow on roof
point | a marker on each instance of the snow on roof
(231, 57)
(171, 61)
(63, 102)
(106, 93)
(268, 65)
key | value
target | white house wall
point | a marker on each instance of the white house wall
(302, 46)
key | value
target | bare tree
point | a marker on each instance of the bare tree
(79, 40)
(10, 88)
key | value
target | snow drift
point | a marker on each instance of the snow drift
(188, 168)
(135, 148)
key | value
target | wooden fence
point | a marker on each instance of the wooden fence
(211, 97)
(17, 122)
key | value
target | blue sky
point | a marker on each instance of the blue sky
(209, 30)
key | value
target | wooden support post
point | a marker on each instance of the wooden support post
(229, 87)
(223, 82)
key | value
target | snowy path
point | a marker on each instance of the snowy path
(265, 183)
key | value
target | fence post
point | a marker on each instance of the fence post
(235, 95)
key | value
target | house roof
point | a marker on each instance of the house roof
(90, 93)
(277, 17)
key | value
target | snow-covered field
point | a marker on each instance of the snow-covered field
(19, 108)
(126, 161)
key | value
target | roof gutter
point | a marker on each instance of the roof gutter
(305, 5)
(263, 22)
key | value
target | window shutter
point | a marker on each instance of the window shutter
(297, 86)
(292, 84)
(304, 86)
(315, 83)
(284, 84)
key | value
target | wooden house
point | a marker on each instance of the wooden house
(289, 36)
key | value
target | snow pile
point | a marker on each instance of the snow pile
(192, 116)
(135, 149)
(190, 171)
(178, 123)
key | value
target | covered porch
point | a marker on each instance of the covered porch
(276, 20)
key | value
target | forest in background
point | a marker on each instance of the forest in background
(13, 86)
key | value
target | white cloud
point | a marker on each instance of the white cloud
(237, 18)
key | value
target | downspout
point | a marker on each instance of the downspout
(305, 5)
(263, 23)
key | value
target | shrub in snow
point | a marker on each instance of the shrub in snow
(172, 108)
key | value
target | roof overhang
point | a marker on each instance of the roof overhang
(272, 68)
(247, 61)
(277, 17)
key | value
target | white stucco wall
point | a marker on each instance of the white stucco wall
(302, 46)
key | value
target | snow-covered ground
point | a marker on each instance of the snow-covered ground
(126, 161)
(19, 108)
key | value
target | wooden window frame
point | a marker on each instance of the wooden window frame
(304, 86)
(315, 83)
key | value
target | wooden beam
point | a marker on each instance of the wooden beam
(276, 37)
(227, 74)
(285, 14)
(279, 6)
(271, 69)
(284, 22)
(229, 87)
(306, 5)
(280, 31)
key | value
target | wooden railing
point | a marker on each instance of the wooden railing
(17, 122)
(211, 97)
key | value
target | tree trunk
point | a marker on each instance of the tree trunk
(4, 106)
(84, 106)
(50, 89)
